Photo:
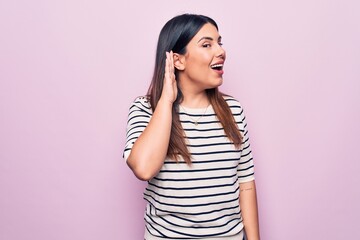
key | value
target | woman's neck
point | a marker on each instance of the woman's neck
(195, 100)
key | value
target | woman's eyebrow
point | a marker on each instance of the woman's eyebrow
(209, 38)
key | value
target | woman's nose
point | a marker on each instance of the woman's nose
(220, 52)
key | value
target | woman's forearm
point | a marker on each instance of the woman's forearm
(150, 149)
(249, 210)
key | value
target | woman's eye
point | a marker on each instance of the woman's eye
(206, 45)
(220, 43)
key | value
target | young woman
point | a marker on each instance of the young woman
(190, 142)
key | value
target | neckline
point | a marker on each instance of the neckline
(196, 110)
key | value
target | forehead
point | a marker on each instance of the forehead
(208, 30)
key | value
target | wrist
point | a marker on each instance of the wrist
(165, 103)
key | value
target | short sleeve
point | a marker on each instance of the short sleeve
(138, 118)
(245, 168)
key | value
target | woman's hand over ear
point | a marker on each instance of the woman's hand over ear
(169, 92)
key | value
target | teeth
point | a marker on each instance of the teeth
(217, 65)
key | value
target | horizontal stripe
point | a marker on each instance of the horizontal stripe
(135, 109)
(198, 227)
(197, 115)
(247, 147)
(131, 139)
(135, 127)
(138, 116)
(191, 205)
(204, 221)
(137, 132)
(202, 130)
(202, 122)
(245, 176)
(194, 188)
(205, 137)
(203, 161)
(196, 196)
(210, 144)
(244, 169)
(182, 213)
(197, 170)
(246, 154)
(249, 160)
(215, 152)
(193, 179)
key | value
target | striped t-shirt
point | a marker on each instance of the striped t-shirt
(200, 200)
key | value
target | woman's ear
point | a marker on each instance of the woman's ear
(179, 61)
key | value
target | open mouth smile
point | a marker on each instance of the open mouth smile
(218, 67)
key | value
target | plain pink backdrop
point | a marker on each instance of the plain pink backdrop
(70, 69)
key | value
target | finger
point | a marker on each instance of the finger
(169, 62)
(166, 64)
(172, 61)
(166, 69)
(172, 66)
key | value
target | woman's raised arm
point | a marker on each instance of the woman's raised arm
(150, 149)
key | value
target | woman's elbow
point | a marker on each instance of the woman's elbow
(143, 175)
(141, 172)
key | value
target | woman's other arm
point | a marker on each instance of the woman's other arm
(249, 210)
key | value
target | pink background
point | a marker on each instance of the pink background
(69, 70)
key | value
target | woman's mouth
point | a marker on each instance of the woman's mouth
(218, 67)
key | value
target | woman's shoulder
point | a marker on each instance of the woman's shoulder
(142, 99)
(231, 101)
(235, 107)
(143, 103)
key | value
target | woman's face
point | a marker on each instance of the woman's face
(203, 60)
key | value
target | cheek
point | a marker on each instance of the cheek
(202, 61)
(198, 64)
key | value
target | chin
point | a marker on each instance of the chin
(218, 83)
(214, 85)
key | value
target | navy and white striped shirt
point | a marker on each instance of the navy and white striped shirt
(200, 200)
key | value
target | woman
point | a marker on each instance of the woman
(190, 142)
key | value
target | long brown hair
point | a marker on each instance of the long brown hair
(175, 35)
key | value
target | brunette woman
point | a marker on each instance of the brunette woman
(190, 141)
